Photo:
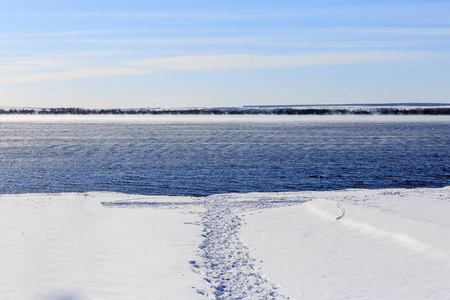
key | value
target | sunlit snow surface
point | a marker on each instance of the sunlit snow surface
(372, 244)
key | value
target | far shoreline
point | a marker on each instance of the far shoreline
(320, 110)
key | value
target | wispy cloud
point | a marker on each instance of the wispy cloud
(76, 32)
(249, 62)
(302, 38)
(48, 70)
(196, 16)
(279, 42)
(392, 30)
(279, 30)
(275, 42)
(60, 67)
(81, 73)
(30, 65)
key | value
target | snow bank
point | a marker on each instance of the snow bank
(372, 244)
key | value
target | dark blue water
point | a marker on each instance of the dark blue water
(203, 158)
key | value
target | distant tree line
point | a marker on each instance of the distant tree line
(231, 111)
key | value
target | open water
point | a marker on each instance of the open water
(202, 158)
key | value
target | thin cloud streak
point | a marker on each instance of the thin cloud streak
(17, 72)
(76, 32)
(206, 15)
(278, 42)
(250, 62)
(70, 74)
(292, 31)
(393, 30)
(27, 65)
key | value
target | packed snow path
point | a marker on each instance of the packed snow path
(227, 264)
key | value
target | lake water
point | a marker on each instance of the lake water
(207, 155)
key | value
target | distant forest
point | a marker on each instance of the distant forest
(232, 111)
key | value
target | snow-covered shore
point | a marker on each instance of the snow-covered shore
(371, 244)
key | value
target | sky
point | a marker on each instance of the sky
(173, 53)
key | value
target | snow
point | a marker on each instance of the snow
(372, 244)
(390, 244)
(71, 247)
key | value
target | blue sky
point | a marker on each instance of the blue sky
(104, 54)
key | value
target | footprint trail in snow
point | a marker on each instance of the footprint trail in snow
(227, 263)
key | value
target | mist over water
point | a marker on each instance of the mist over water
(209, 157)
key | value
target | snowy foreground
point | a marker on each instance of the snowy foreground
(371, 244)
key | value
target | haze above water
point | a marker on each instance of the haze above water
(208, 155)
